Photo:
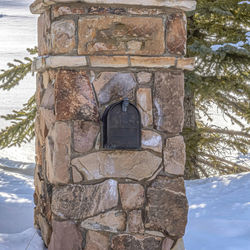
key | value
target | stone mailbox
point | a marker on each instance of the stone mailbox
(109, 154)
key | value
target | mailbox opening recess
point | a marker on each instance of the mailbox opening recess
(121, 126)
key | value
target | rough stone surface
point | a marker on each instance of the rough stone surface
(144, 77)
(186, 63)
(74, 97)
(144, 104)
(136, 165)
(112, 221)
(76, 176)
(152, 62)
(43, 27)
(175, 155)
(179, 245)
(111, 86)
(85, 134)
(48, 100)
(67, 10)
(167, 244)
(132, 196)
(58, 153)
(109, 61)
(121, 35)
(168, 101)
(176, 33)
(65, 61)
(96, 241)
(138, 242)
(167, 206)
(65, 236)
(135, 224)
(78, 201)
(45, 229)
(63, 36)
(48, 116)
(151, 140)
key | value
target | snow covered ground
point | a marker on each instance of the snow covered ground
(219, 215)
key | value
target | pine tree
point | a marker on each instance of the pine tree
(218, 38)
(21, 129)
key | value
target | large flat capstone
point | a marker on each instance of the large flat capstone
(136, 165)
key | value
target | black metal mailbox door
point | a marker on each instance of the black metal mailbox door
(122, 126)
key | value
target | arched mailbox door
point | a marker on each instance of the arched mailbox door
(122, 126)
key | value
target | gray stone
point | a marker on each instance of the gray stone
(135, 224)
(81, 201)
(112, 221)
(151, 140)
(179, 245)
(111, 86)
(136, 165)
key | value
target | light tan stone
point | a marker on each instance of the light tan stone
(144, 104)
(65, 61)
(43, 38)
(135, 224)
(175, 156)
(96, 241)
(186, 63)
(144, 77)
(58, 153)
(152, 62)
(112, 221)
(151, 140)
(179, 245)
(167, 244)
(45, 79)
(136, 165)
(187, 5)
(63, 36)
(78, 202)
(48, 116)
(155, 233)
(109, 61)
(132, 196)
(76, 176)
(121, 35)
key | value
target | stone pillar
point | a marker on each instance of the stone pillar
(92, 54)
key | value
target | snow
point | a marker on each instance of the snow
(219, 213)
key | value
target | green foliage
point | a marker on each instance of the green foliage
(221, 80)
(21, 129)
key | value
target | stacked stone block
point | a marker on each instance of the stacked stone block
(92, 55)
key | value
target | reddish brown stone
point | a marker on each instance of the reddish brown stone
(85, 134)
(175, 155)
(39, 89)
(74, 97)
(96, 241)
(43, 27)
(65, 236)
(135, 224)
(138, 242)
(176, 33)
(63, 36)
(132, 196)
(67, 10)
(168, 101)
(167, 206)
(81, 201)
(121, 35)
